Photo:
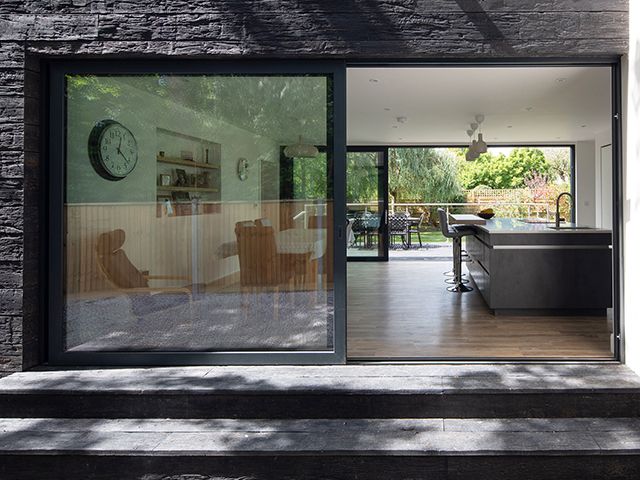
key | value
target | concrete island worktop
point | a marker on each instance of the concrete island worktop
(530, 268)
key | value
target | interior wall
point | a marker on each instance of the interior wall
(161, 245)
(585, 178)
(604, 187)
(631, 190)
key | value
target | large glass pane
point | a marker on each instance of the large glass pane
(365, 204)
(177, 234)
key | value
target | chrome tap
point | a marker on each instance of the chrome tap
(558, 207)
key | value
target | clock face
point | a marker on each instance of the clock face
(113, 150)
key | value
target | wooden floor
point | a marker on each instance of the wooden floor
(401, 309)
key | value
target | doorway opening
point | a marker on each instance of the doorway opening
(541, 131)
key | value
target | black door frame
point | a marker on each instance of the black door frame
(54, 170)
(615, 65)
(383, 190)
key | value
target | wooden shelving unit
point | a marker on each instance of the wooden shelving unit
(186, 163)
(171, 188)
(206, 156)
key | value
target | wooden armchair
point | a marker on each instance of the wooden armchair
(123, 275)
(260, 263)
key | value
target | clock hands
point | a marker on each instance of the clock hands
(122, 155)
(120, 151)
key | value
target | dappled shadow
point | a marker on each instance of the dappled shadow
(487, 28)
(228, 321)
(187, 442)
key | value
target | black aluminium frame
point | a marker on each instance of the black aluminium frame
(383, 190)
(338, 69)
(615, 64)
(55, 171)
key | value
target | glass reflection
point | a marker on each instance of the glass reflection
(199, 245)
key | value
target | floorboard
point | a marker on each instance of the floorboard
(401, 309)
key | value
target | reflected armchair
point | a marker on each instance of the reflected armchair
(115, 265)
(260, 263)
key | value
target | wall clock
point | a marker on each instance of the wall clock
(243, 167)
(113, 150)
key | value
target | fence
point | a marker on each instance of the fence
(490, 195)
(545, 211)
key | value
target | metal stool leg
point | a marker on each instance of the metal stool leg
(452, 281)
(459, 287)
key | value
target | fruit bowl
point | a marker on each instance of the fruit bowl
(486, 216)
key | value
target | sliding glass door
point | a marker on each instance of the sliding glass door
(176, 238)
(367, 237)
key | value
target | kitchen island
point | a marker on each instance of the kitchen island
(531, 268)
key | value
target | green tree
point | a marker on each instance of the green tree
(559, 160)
(423, 175)
(362, 177)
(501, 171)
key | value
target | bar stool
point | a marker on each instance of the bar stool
(455, 233)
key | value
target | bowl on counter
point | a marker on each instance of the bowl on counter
(486, 216)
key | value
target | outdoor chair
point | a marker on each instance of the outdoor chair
(399, 227)
(373, 226)
(415, 228)
(359, 229)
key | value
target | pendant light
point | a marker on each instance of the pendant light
(471, 154)
(481, 145)
(301, 150)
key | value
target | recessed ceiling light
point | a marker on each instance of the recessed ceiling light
(373, 80)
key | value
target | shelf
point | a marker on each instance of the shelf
(186, 163)
(171, 188)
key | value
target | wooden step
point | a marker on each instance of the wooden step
(582, 448)
(358, 391)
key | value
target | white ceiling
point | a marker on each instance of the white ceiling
(520, 104)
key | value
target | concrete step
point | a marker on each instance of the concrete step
(435, 448)
(353, 391)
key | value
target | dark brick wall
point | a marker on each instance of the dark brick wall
(390, 29)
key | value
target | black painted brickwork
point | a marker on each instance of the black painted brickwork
(390, 29)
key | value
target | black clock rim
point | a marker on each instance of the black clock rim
(95, 136)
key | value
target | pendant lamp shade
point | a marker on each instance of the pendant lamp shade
(480, 144)
(469, 157)
(301, 150)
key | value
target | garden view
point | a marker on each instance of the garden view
(518, 182)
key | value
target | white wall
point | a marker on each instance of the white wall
(604, 186)
(163, 245)
(585, 174)
(142, 112)
(631, 190)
